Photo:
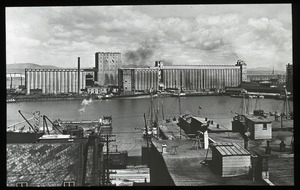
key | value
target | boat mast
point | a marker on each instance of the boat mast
(146, 127)
(151, 107)
(162, 110)
(243, 105)
(286, 105)
(179, 101)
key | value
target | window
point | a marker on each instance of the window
(69, 184)
(21, 184)
(264, 126)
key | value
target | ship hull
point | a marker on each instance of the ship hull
(22, 137)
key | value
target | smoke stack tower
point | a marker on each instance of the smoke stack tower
(78, 89)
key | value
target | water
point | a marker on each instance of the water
(127, 114)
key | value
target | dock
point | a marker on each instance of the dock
(171, 130)
(186, 166)
(179, 163)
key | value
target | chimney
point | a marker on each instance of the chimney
(164, 148)
(78, 89)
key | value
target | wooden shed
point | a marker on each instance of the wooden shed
(259, 127)
(230, 159)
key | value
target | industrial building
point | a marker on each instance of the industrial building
(56, 81)
(187, 77)
(107, 64)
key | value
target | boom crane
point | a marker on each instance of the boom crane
(27, 122)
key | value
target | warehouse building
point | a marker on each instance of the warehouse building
(187, 77)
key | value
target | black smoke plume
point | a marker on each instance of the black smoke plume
(143, 55)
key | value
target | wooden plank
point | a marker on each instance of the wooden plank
(225, 150)
(232, 163)
(218, 148)
(243, 151)
(234, 148)
(229, 148)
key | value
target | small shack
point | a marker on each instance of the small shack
(230, 159)
(259, 127)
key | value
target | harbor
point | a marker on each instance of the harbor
(161, 95)
(181, 148)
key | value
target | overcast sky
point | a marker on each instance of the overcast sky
(261, 35)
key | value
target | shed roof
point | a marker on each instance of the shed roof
(258, 119)
(45, 164)
(230, 149)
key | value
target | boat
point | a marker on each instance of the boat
(179, 94)
(23, 135)
(10, 100)
(106, 122)
(106, 96)
(236, 95)
(151, 126)
(134, 96)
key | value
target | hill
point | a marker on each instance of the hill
(264, 70)
(20, 67)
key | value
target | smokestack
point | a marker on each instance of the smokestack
(78, 89)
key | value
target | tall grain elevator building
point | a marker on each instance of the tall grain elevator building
(187, 77)
(55, 81)
(107, 64)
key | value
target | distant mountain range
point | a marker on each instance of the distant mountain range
(20, 68)
(264, 70)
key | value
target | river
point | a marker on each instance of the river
(127, 114)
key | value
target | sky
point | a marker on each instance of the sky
(259, 34)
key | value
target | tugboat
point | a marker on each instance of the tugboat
(106, 122)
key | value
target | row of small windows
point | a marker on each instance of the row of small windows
(65, 184)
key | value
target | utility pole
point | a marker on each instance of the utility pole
(146, 127)
(106, 138)
(179, 114)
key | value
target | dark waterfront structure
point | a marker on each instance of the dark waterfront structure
(40, 164)
(107, 64)
(187, 77)
(289, 78)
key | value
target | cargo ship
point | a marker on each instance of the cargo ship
(22, 135)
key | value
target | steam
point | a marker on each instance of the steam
(84, 103)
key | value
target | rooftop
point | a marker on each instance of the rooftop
(259, 119)
(230, 149)
(43, 164)
(186, 169)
